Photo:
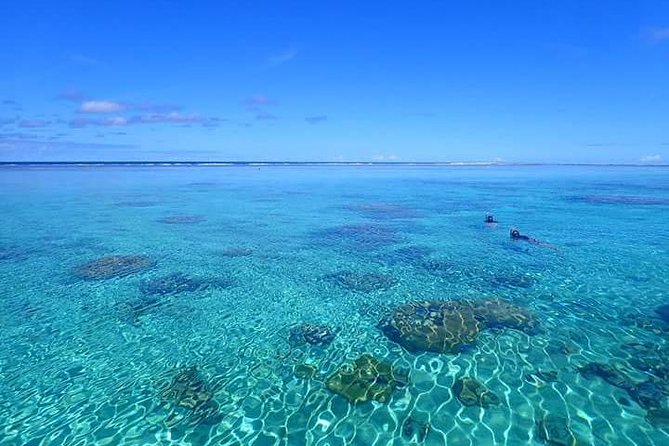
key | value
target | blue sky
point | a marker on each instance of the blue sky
(569, 81)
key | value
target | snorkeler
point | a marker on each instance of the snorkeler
(490, 219)
(516, 235)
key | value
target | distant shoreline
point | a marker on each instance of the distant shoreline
(303, 164)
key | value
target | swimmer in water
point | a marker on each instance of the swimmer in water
(516, 235)
(490, 219)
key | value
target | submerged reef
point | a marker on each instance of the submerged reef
(182, 219)
(438, 266)
(135, 204)
(177, 283)
(368, 379)
(554, 430)
(650, 358)
(663, 312)
(188, 397)
(412, 254)
(512, 280)
(658, 417)
(313, 334)
(132, 310)
(368, 236)
(383, 211)
(236, 252)
(448, 326)
(113, 266)
(611, 373)
(472, 392)
(187, 389)
(413, 428)
(11, 253)
(362, 282)
(540, 378)
(655, 323)
(157, 292)
(305, 371)
(649, 394)
(203, 184)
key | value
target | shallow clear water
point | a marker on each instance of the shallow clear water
(98, 361)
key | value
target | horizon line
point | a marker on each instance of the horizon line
(175, 163)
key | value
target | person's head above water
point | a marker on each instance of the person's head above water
(515, 233)
(489, 218)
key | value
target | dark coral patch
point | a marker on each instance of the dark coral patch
(655, 324)
(182, 219)
(187, 389)
(648, 394)
(113, 266)
(496, 313)
(658, 417)
(415, 429)
(472, 392)
(132, 310)
(362, 236)
(313, 334)
(236, 252)
(440, 267)
(205, 184)
(610, 373)
(135, 204)
(365, 282)
(412, 254)
(190, 399)
(12, 253)
(554, 430)
(512, 280)
(449, 326)
(650, 358)
(177, 283)
(305, 371)
(663, 312)
(431, 326)
(368, 379)
(539, 378)
(383, 211)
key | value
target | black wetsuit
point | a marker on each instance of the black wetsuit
(516, 235)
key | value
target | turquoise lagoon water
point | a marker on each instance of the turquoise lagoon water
(211, 356)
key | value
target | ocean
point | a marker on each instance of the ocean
(334, 305)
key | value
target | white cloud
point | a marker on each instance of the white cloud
(155, 118)
(115, 121)
(266, 117)
(174, 117)
(651, 158)
(102, 107)
(33, 123)
(254, 102)
(81, 59)
(659, 34)
(382, 157)
(72, 95)
(316, 119)
(283, 57)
